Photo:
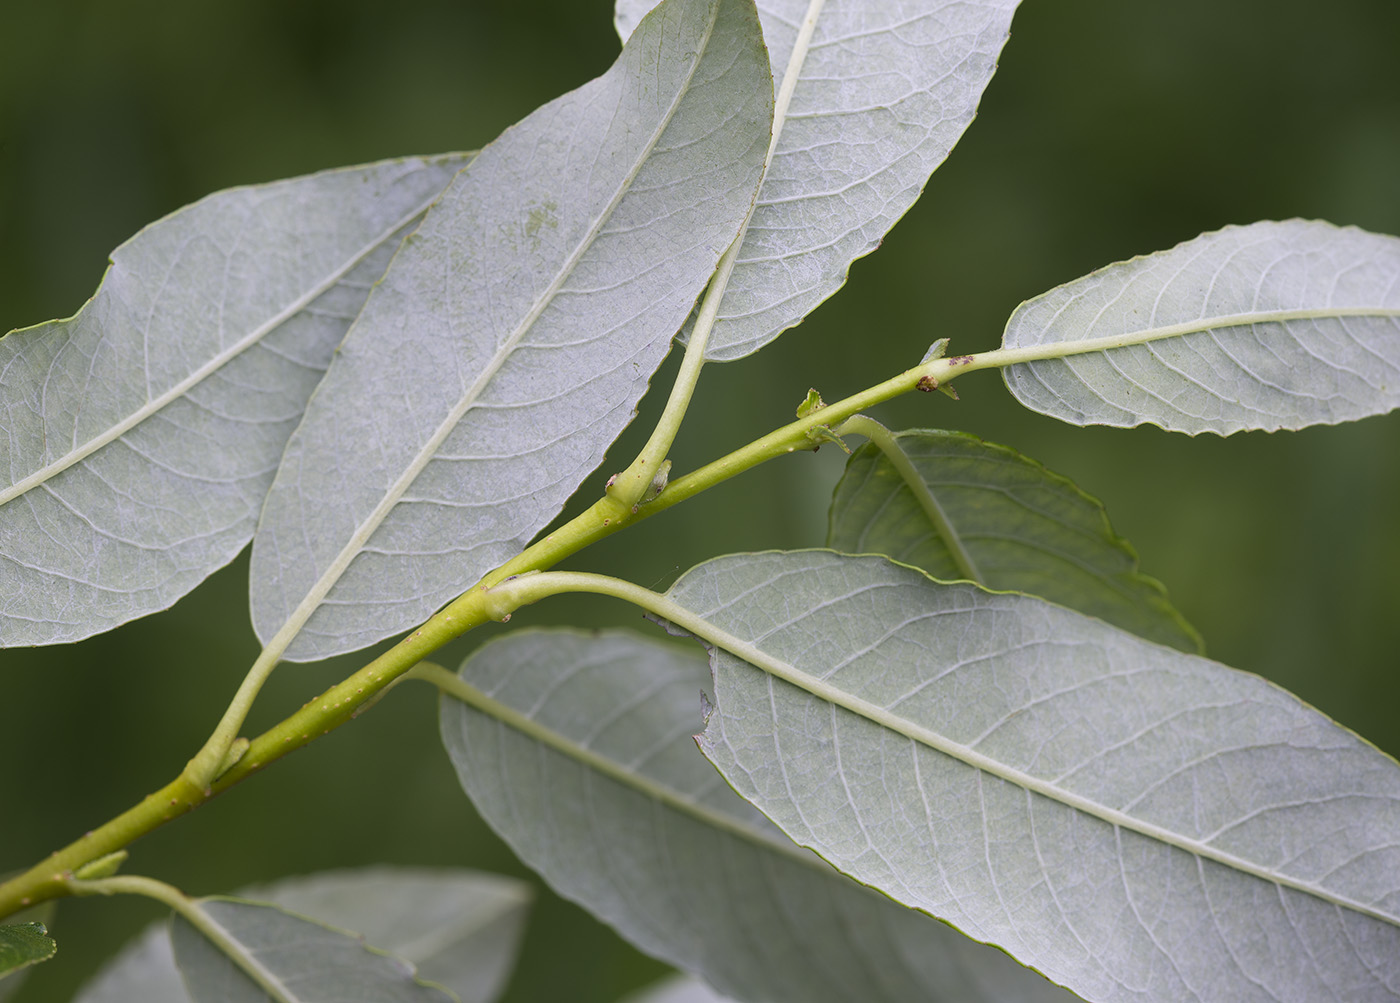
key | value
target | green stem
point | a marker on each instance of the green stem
(630, 486)
(531, 588)
(52, 877)
(481, 603)
(132, 884)
(793, 437)
(888, 444)
(189, 910)
(214, 757)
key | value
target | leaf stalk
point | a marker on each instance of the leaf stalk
(631, 485)
(183, 905)
(885, 441)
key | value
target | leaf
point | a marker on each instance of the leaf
(885, 90)
(460, 928)
(297, 960)
(513, 336)
(586, 766)
(144, 970)
(141, 435)
(24, 944)
(43, 914)
(1021, 528)
(1134, 822)
(1266, 326)
(678, 989)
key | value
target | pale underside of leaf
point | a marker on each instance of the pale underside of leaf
(1267, 326)
(143, 970)
(886, 89)
(513, 336)
(1024, 528)
(460, 929)
(677, 989)
(582, 757)
(140, 436)
(270, 955)
(1134, 822)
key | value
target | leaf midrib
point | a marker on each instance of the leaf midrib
(640, 783)
(180, 389)
(338, 566)
(894, 453)
(242, 955)
(822, 690)
(532, 587)
(1083, 346)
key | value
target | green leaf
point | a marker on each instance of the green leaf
(513, 336)
(585, 763)
(885, 90)
(968, 509)
(24, 944)
(295, 960)
(1134, 822)
(460, 929)
(1266, 326)
(42, 914)
(141, 435)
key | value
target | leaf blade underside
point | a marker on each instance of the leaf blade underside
(597, 786)
(513, 336)
(297, 960)
(460, 929)
(141, 435)
(885, 91)
(1135, 822)
(1266, 326)
(677, 989)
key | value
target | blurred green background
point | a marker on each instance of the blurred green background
(1112, 129)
